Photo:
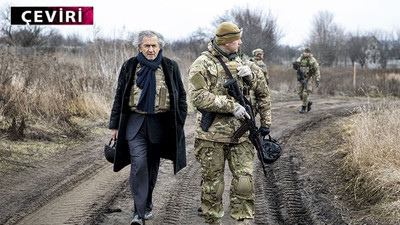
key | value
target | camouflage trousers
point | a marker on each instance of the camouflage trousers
(305, 92)
(212, 157)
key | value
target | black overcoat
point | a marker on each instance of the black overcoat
(175, 149)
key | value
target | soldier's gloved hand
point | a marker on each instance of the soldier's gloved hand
(317, 83)
(244, 71)
(264, 131)
(240, 111)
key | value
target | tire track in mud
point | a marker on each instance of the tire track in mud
(179, 209)
(267, 202)
(279, 197)
(83, 202)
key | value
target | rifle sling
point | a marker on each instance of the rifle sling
(244, 127)
(228, 73)
(239, 132)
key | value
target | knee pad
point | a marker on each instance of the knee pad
(220, 190)
(244, 185)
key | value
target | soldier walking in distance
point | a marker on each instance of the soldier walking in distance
(213, 143)
(258, 57)
(307, 73)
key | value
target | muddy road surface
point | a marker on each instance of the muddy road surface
(79, 187)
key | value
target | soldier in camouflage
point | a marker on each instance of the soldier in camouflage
(258, 57)
(213, 147)
(310, 69)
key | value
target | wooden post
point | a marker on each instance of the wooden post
(354, 75)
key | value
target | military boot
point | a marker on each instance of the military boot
(303, 109)
(309, 106)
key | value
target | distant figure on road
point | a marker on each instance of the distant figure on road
(307, 73)
(147, 119)
(219, 116)
(258, 57)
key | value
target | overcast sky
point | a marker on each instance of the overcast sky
(177, 19)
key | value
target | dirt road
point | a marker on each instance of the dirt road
(79, 186)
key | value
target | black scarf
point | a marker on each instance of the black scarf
(146, 81)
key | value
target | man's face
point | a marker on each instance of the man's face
(306, 54)
(233, 46)
(149, 47)
(260, 56)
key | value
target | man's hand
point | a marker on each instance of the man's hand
(114, 134)
(240, 111)
(264, 131)
(244, 71)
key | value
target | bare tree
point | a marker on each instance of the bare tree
(25, 36)
(386, 41)
(326, 39)
(356, 48)
(5, 22)
(260, 29)
(395, 51)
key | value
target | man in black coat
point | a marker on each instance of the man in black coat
(147, 119)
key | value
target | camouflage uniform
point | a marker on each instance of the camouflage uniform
(212, 148)
(310, 68)
(260, 63)
(257, 71)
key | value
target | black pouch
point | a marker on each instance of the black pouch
(109, 150)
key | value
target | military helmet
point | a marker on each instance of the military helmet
(307, 49)
(271, 150)
(257, 51)
(109, 151)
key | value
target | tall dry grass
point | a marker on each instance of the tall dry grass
(373, 163)
(49, 88)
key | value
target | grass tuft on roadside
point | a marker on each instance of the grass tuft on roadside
(372, 165)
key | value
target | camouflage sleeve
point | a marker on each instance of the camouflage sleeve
(262, 95)
(316, 68)
(266, 75)
(200, 82)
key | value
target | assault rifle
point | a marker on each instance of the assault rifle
(250, 124)
(300, 74)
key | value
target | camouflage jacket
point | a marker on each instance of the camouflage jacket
(309, 66)
(263, 67)
(206, 91)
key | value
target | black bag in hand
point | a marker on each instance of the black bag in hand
(109, 151)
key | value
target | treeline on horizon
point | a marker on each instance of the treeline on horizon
(49, 81)
(329, 41)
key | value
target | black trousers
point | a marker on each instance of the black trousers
(145, 162)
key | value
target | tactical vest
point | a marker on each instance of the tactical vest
(219, 77)
(305, 67)
(161, 102)
(224, 125)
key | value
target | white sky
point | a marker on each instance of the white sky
(177, 19)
